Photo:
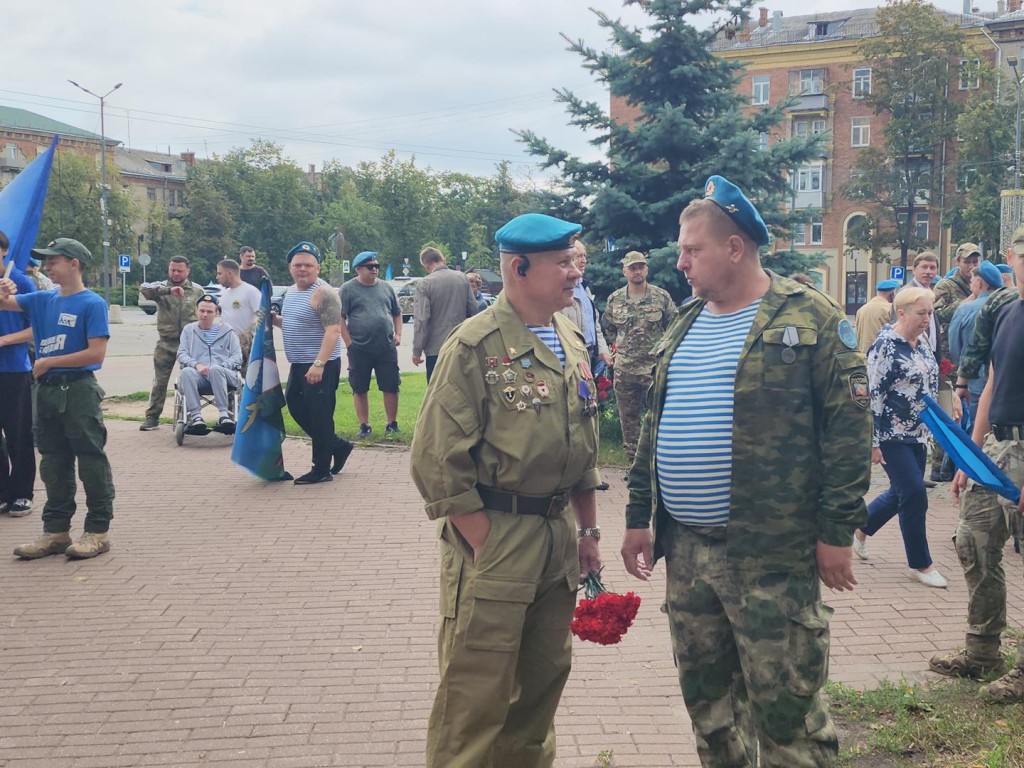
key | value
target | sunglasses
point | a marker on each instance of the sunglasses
(372, 266)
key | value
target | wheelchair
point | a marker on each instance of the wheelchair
(205, 401)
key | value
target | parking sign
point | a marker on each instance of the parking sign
(896, 273)
(124, 262)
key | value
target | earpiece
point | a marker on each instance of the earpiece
(525, 265)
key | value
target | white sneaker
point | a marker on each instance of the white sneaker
(860, 547)
(930, 579)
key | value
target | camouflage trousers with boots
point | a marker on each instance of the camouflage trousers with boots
(631, 396)
(165, 357)
(751, 650)
(987, 521)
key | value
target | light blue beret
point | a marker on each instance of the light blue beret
(1006, 269)
(888, 285)
(990, 274)
(731, 199)
(536, 233)
(304, 247)
(364, 257)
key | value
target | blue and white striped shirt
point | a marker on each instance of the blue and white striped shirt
(546, 333)
(302, 329)
(694, 441)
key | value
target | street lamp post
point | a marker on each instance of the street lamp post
(1012, 62)
(103, 186)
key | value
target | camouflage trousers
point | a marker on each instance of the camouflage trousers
(631, 395)
(986, 522)
(504, 648)
(68, 426)
(751, 650)
(165, 357)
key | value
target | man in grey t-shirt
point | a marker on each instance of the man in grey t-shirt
(371, 328)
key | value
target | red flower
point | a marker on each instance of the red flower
(603, 383)
(602, 616)
(946, 367)
(602, 394)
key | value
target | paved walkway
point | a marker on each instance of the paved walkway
(243, 624)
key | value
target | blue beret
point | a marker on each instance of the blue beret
(35, 262)
(208, 298)
(1006, 269)
(990, 274)
(536, 233)
(952, 272)
(364, 257)
(731, 199)
(304, 247)
(888, 285)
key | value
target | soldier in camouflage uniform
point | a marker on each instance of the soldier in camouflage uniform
(986, 519)
(175, 299)
(749, 630)
(635, 317)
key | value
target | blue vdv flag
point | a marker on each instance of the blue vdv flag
(260, 430)
(21, 206)
(965, 453)
(388, 275)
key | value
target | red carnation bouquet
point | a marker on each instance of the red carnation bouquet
(946, 368)
(604, 387)
(602, 616)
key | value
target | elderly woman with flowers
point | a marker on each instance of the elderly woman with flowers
(901, 370)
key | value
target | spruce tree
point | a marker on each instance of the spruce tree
(692, 123)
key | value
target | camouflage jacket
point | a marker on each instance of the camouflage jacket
(503, 413)
(173, 313)
(950, 293)
(801, 440)
(635, 327)
(976, 355)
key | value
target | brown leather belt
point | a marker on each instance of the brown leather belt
(517, 504)
(1008, 431)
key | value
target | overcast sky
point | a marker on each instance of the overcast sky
(328, 79)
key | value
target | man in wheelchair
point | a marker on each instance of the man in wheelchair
(210, 358)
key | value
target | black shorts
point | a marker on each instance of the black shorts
(383, 360)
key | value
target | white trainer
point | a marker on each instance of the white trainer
(930, 579)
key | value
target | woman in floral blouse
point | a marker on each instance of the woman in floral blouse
(902, 369)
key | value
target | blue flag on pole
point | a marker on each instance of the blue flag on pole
(260, 431)
(21, 206)
(388, 275)
(965, 453)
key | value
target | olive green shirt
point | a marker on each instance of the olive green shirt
(801, 439)
(525, 433)
(635, 326)
(173, 313)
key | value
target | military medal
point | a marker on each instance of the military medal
(491, 377)
(790, 338)
(520, 406)
(529, 376)
(492, 362)
(509, 393)
(526, 389)
(542, 389)
(510, 376)
(526, 362)
(536, 404)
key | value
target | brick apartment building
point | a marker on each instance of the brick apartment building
(814, 58)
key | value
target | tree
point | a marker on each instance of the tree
(208, 222)
(691, 124)
(913, 61)
(72, 209)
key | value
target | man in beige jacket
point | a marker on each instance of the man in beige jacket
(443, 300)
(875, 314)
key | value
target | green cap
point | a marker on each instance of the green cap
(67, 247)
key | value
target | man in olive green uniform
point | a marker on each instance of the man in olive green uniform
(505, 444)
(175, 299)
(791, 426)
(635, 317)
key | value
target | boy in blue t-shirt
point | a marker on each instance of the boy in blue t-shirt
(71, 333)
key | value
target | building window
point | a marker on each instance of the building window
(861, 82)
(808, 179)
(920, 223)
(816, 231)
(860, 131)
(181, 197)
(807, 81)
(970, 74)
(151, 194)
(800, 234)
(800, 128)
(762, 90)
(12, 151)
(812, 228)
(817, 126)
(762, 141)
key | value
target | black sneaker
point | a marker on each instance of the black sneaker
(20, 507)
(226, 425)
(314, 476)
(341, 455)
(365, 430)
(149, 425)
(197, 427)
(601, 487)
(392, 427)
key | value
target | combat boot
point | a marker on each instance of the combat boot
(961, 664)
(46, 544)
(1008, 689)
(90, 545)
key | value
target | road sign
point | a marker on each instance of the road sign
(145, 259)
(346, 266)
(124, 262)
(896, 273)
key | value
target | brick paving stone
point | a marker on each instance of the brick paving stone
(238, 623)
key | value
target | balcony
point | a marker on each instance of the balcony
(813, 102)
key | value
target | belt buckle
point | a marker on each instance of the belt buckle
(558, 502)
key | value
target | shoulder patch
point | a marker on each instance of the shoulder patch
(859, 389)
(847, 334)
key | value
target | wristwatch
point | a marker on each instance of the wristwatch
(318, 364)
(594, 533)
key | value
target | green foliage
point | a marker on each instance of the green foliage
(914, 67)
(72, 209)
(208, 223)
(692, 123)
(986, 150)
